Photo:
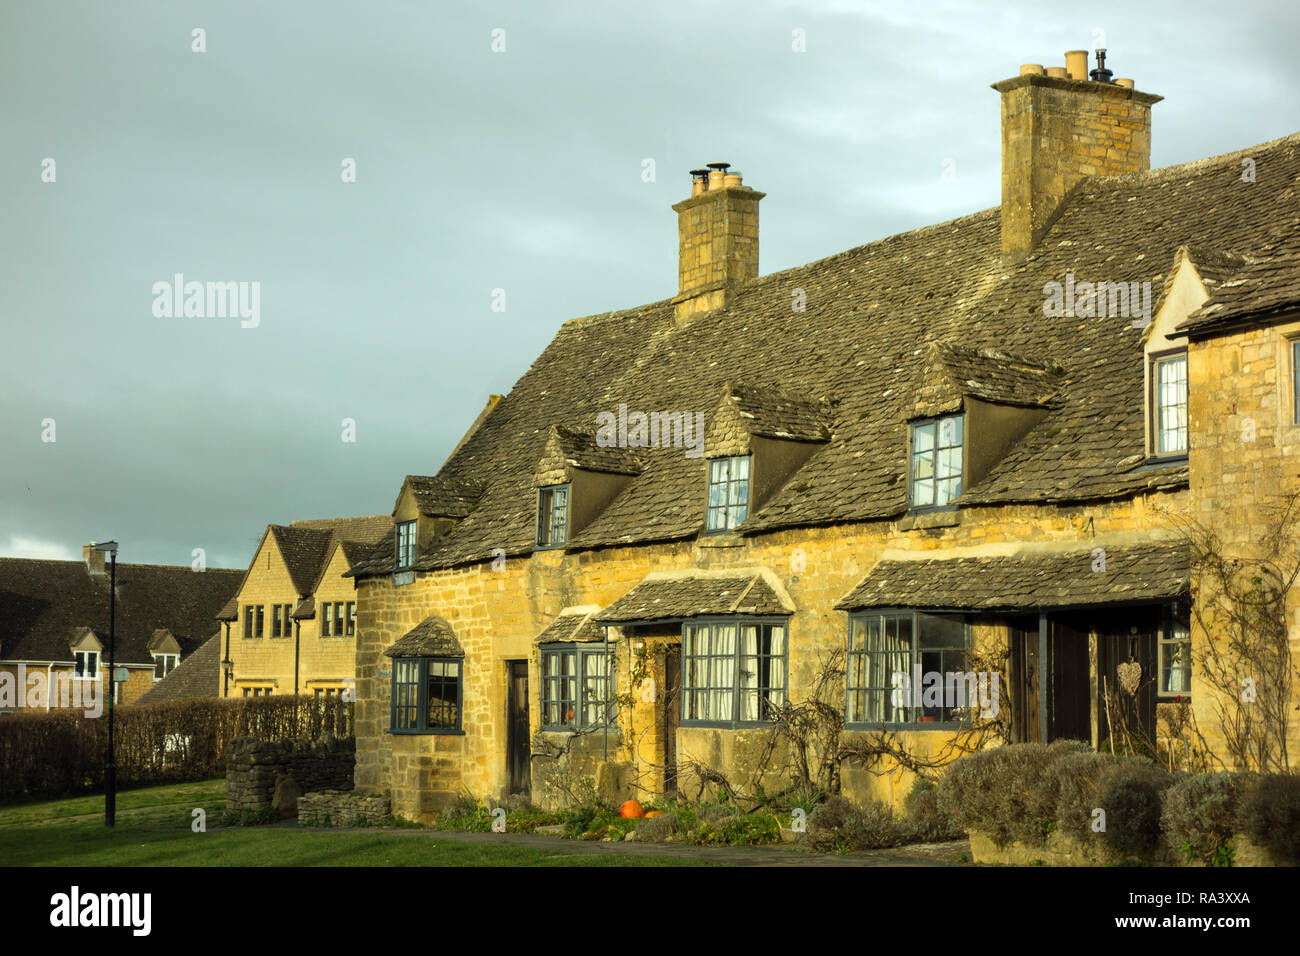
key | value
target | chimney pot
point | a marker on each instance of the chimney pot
(1031, 69)
(1125, 82)
(1056, 134)
(1058, 71)
(1076, 64)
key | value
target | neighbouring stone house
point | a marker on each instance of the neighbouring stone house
(290, 627)
(54, 627)
(964, 442)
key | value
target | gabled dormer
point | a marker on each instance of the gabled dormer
(427, 507)
(971, 408)
(576, 479)
(757, 438)
(166, 652)
(87, 653)
(1194, 275)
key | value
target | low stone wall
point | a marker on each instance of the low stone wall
(1064, 850)
(263, 773)
(342, 808)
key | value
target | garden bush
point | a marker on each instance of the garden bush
(1270, 816)
(841, 824)
(926, 820)
(1200, 815)
(1130, 791)
(63, 752)
(1008, 792)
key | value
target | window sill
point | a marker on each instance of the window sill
(727, 724)
(908, 727)
(925, 520)
(583, 731)
(1167, 459)
(721, 539)
(426, 733)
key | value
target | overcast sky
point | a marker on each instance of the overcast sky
(476, 170)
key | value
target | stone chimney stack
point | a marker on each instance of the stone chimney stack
(717, 246)
(1059, 127)
(94, 559)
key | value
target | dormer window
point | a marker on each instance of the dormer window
(405, 544)
(87, 664)
(552, 516)
(1169, 404)
(728, 492)
(936, 461)
(164, 664)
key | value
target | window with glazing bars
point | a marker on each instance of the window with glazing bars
(728, 503)
(426, 695)
(552, 516)
(1169, 387)
(936, 461)
(577, 686)
(733, 671)
(886, 649)
(405, 544)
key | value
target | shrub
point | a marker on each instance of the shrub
(658, 829)
(468, 814)
(739, 829)
(1270, 816)
(841, 824)
(1130, 792)
(1007, 792)
(926, 821)
(63, 751)
(1075, 779)
(1200, 814)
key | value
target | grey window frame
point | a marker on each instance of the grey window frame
(849, 687)
(350, 619)
(934, 479)
(407, 529)
(248, 622)
(1157, 359)
(726, 508)
(1295, 379)
(737, 621)
(326, 616)
(546, 514)
(582, 651)
(421, 685)
(1176, 617)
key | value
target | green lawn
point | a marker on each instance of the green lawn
(153, 829)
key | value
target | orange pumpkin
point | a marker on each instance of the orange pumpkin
(631, 810)
(654, 813)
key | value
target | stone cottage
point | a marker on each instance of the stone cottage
(954, 451)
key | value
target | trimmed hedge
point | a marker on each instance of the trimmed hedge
(53, 753)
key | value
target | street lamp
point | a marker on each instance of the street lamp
(110, 770)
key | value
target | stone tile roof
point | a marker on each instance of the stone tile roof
(307, 546)
(1028, 580)
(432, 637)
(873, 313)
(573, 625)
(1268, 285)
(444, 497)
(773, 414)
(198, 675)
(673, 596)
(581, 450)
(43, 603)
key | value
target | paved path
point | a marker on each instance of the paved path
(922, 854)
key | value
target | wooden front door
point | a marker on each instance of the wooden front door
(518, 739)
(1026, 726)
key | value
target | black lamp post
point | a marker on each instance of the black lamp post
(110, 769)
